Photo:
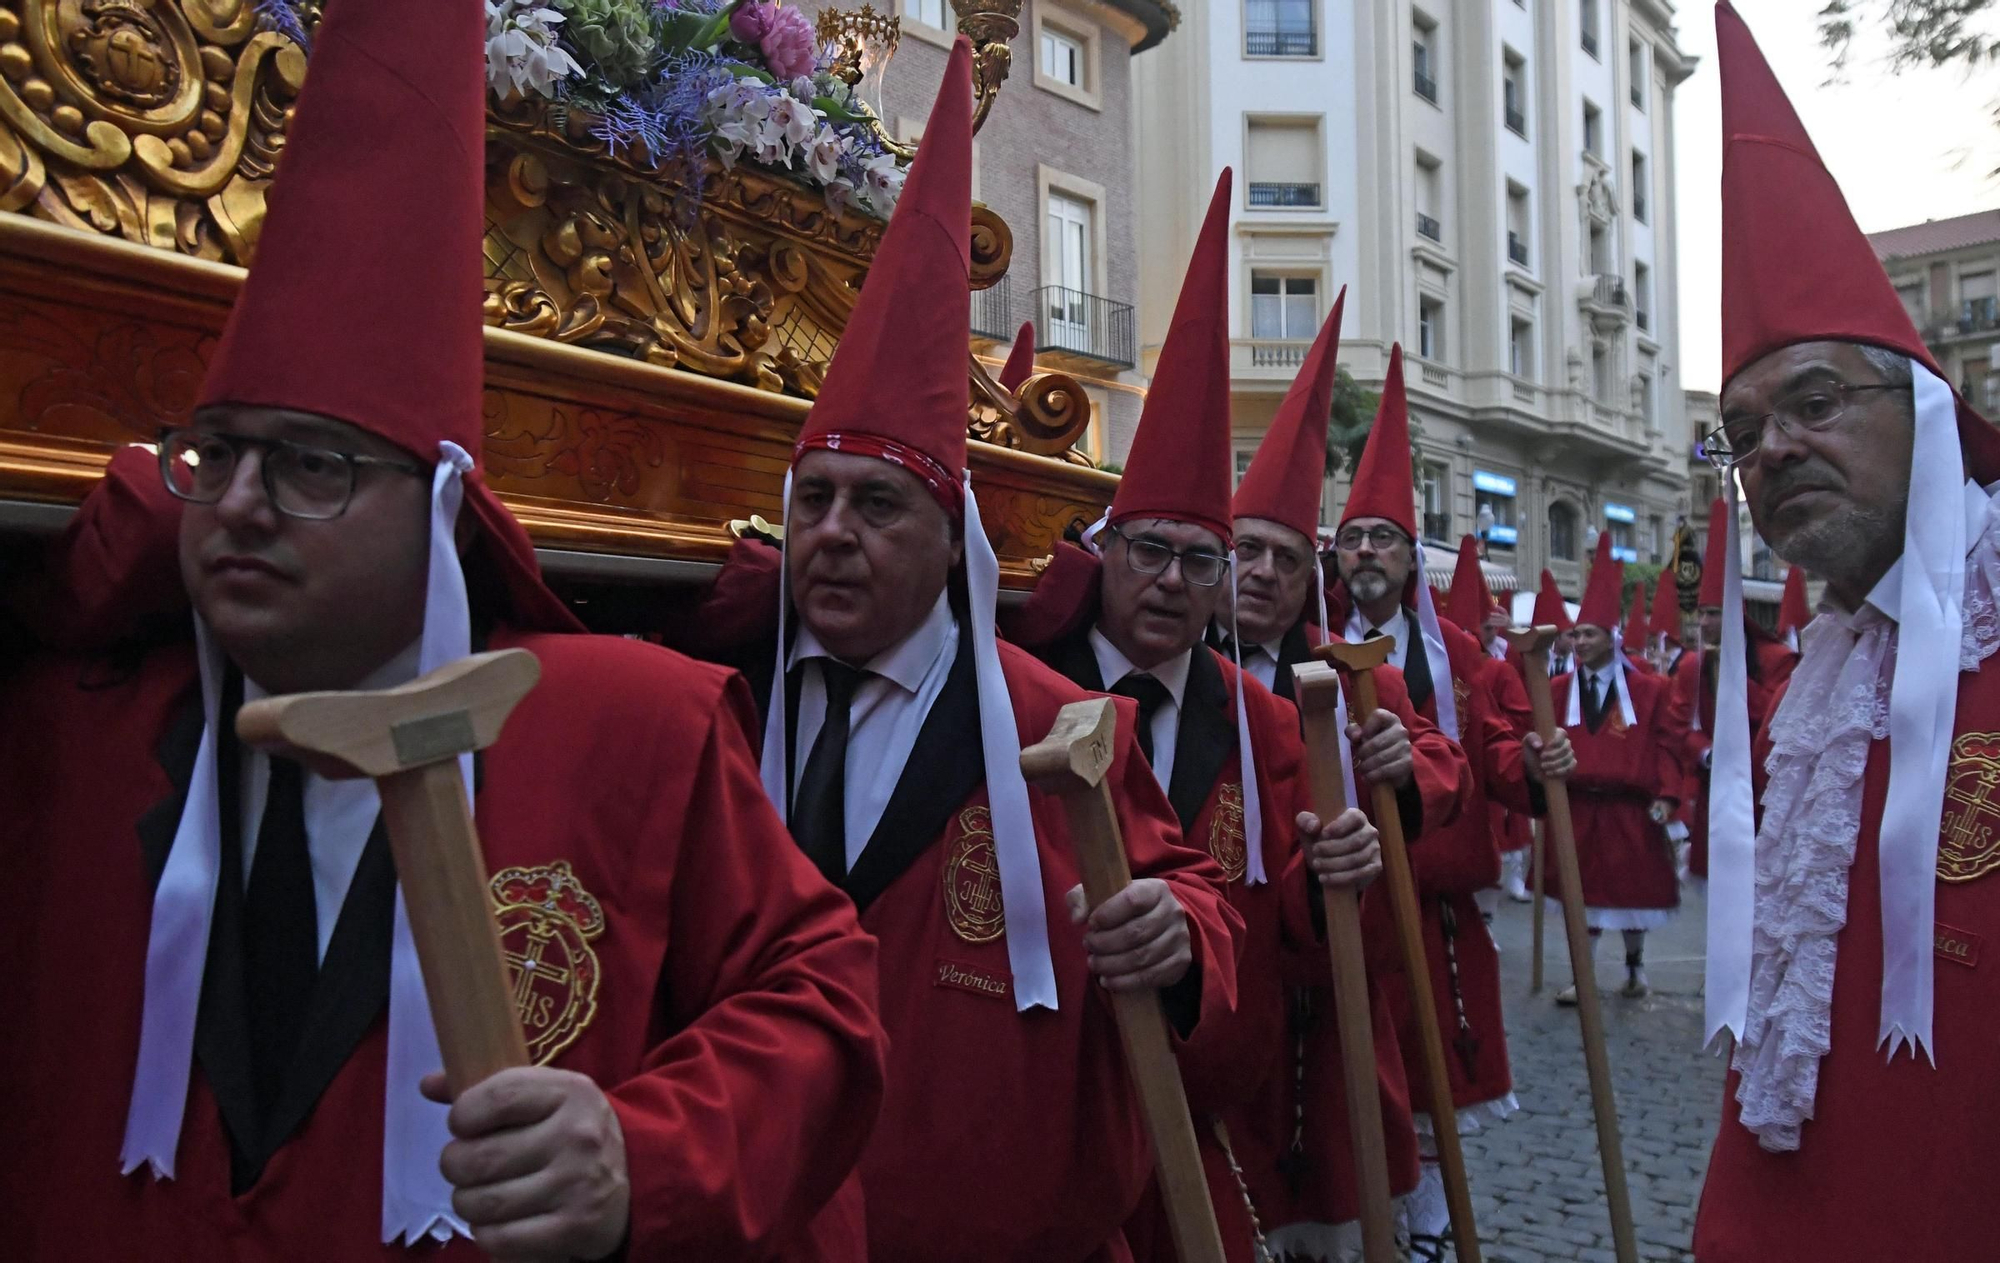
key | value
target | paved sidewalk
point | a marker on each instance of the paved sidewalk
(1537, 1185)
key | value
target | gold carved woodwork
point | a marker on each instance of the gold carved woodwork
(160, 123)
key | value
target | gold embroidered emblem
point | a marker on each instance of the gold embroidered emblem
(1225, 831)
(546, 920)
(1969, 841)
(1461, 695)
(972, 880)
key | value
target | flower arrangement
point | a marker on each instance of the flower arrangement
(745, 80)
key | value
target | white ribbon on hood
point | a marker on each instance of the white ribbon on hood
(1732, 810)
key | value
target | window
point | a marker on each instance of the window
(1424, 54)
(1562, 531)
(1284, 164)
(1635, 68)
(935, 13)
(1978, 306)
(1066, 273)
(1517, 224)
(1600, 249)
(1912, 294)
(1062, 57)
(1280, 28)
(1430, 328)
(1593, 130)
(1588, 19)
(1283, 307)
(1243, 458)
(1600, 372)
(1642, 296)
(1493, 508)
(1640, 187)
(1622, 546)
(1657, 545)
(1437, 512)
(1514, 91)
(1430, 195)
(1521, 347)
(1646, 412)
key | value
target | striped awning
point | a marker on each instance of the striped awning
(1440, 564)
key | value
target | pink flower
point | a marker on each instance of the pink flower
(780, 32)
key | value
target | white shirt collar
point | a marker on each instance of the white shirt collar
(1886, 596)
(1398, 625)
(1113, 666)
(904, 663)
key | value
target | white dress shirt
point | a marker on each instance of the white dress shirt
(1398, 625)
(339, 814)
(1113, 666)
(1259, 659)
(884, 719)
(1602, 676)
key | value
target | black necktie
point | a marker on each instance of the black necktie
(1150, 694)
(1593, 704)
(819, 807)
(280, 934)
(1374, 633)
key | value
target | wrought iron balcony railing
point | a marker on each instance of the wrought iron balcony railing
(1069, 320)
(1428, 227)
(993, 314)
(1280, 42)
(1427, 87)
(1268, 193)
(1517, 249)
(1517, 122)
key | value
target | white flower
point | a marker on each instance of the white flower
(793, 121)
(802, 89)
(522, 54)
(768, 144)
(839, 193)
(823, 157)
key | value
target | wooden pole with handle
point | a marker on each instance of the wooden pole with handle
(1360, 662)
(408, 740)
(1532, 644)
(1537, 859)
(1071, 763)
(1317, 690)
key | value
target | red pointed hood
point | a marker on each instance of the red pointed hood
(1795, 265)
(1179, 467)
(1384, 482)
(1549, 608)
(1666, 608)
(1793, 611)
(897, 386)
(1286, 477)
(395, 99)
(1715, 557)
(1599, 606)
(1635, 618)
(1469, 600)
(1020, 360)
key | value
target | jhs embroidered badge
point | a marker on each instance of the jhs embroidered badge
(1225, 831)
(1969, 840)
(972, 880)
(547, 920)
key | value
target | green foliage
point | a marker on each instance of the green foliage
(1353, 418)
(1921, 32)
(618, 36)
(1636, 573)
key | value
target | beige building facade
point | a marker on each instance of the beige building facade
(1946, 270)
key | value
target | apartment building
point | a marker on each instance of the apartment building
(1056, 159)
(1493, 180)
(1945, 270)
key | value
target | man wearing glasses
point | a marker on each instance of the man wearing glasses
(1851, 936)
(1380, 591)
(220, 1043)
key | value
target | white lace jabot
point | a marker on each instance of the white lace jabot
(1835, 707)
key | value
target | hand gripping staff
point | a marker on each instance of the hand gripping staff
(1360, 662)
(408, 740)
(1070, 763)
(1532, 643)
(1317, 688)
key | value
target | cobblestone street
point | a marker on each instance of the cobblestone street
(1536, 1182)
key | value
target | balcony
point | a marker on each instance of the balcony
(1427, 87)
(1428, 227)
(1280, 42)
(1606, 301)
(1977, 315)
(1437, 527)
(1517, 249)
(993, 313)
(1517, 122)
(1085, 326)
(1265, 193)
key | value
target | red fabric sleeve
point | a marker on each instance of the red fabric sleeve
(1669, 774)
(1441, 778)
(760, 1096)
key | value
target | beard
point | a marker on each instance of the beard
(1368, 585)
(1851, 544)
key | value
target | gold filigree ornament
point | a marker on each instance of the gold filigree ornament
(1225, 831)
(547, 921)
(1969, 840)
(972, 880)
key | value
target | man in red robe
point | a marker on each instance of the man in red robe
(1849, 953)
(1380, 591)
(893, 728)
(210, 968)
(1471, 607)
(1628, 779)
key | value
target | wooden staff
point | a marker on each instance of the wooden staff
(408, 740)
(1317, 689)
(1360, 661)
(1532, 644)
(1535, 860)
(1070, 763)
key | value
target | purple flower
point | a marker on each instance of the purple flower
(780, 32)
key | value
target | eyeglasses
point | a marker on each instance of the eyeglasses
(1198, 566)
(1283, 560)
(1380, 538)
(1815, 408)
(313, 483)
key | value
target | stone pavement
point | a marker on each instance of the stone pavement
(1538, 1189)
